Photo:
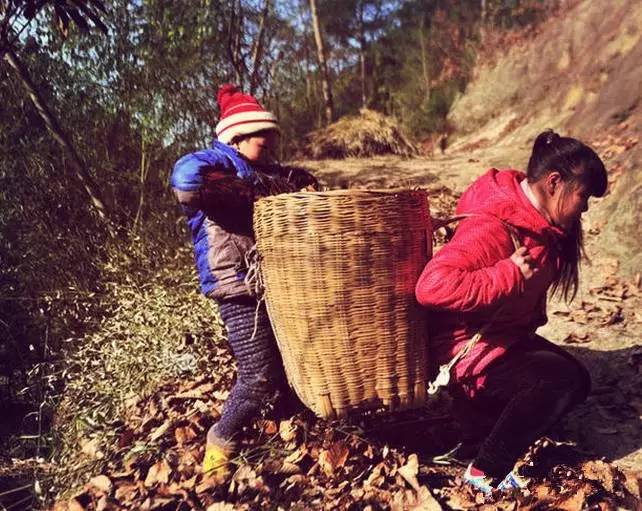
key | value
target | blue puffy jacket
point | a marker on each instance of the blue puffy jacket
(217, 188)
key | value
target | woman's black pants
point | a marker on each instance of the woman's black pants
(525, 393)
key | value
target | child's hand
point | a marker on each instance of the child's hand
(524, 262)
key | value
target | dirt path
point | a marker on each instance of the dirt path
(601, 327)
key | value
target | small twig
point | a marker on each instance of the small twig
(448, 457)
(14, 490)
(22, 501)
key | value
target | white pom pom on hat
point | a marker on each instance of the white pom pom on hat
(241, 114)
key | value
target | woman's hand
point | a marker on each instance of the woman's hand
(524, 262)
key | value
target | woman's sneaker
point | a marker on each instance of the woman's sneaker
(513, 481)
(478, 479)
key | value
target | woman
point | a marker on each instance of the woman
(523, 236)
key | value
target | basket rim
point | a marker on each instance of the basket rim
(364, 192)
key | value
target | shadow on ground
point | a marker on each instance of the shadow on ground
(608, 425)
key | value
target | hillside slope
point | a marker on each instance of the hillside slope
(582, 76)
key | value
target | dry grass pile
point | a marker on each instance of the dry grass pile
(367, 134)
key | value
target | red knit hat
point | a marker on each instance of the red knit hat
(241, 114)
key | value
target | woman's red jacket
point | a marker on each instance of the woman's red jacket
(472, 281)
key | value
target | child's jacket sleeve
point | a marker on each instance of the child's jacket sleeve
(473, 271)
(207, 181)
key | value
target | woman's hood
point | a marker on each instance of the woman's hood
(499, 193)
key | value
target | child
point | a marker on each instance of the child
(216, 188)
(479, 280)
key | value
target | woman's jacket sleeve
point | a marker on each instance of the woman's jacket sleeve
(473, 271)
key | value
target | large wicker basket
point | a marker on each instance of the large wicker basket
(339, 270)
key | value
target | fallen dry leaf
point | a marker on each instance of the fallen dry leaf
(102, 483)
(633, 482)
(298, 455)
(102, 504)
(221, 506)
(158, 473)
(268, 427)
(600, 471)
(575, 500)
(200, 392)
(426, 501)
(376, 478)
(91, 448)
(207, 484)
(160, 430)
(287, 430)
(410, 470)
(125, 493)
(74, 505)
(333, 458)
(184, 434)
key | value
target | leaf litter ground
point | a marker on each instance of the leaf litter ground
(290, 459)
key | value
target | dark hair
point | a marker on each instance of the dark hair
(578, 165)
(239, 138)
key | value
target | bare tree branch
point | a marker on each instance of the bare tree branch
(59, 135)
(257, 51)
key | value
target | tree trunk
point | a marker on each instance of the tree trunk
(327, 90)
(234, 48)
(362, 57)
(362, 62)
(482, 26)
(424, 57)
(142, 179)
(60, 136)
(257, 51)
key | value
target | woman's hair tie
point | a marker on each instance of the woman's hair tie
(551, 136)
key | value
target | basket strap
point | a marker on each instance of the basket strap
(443, 376)
(439, 223)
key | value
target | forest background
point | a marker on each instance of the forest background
(99, 100)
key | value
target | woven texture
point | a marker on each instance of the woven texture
(339, 270)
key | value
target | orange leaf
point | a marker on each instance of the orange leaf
(184, 434)
(268, 427)
(102, 483)
(333, 458)
(158, 473)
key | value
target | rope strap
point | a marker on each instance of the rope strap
(443, 376)
(254, 282)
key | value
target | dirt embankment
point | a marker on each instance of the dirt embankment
(582, 76)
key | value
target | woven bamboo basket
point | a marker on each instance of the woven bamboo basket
(339, 270)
